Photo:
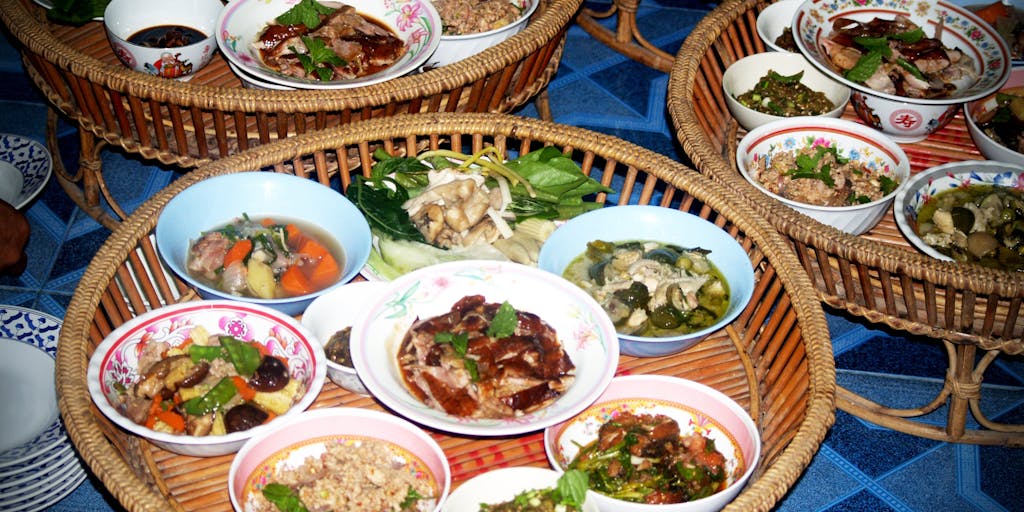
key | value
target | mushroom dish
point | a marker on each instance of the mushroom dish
(210, 385)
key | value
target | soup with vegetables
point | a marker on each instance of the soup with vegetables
(651, 288)
(265, 258)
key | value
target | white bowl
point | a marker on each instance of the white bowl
(501, 485)
(215, 201)
(124, 18)
(908, 119)
(289, 443)
(584, 331)
(925, 184)
(741, 76)
(853, 140)
(329, 313)
(774, 19)
(414, 21)
(695, 407)
(25, 167)
(114, 364)
(991, 149)
(454, 48)
(666, 225)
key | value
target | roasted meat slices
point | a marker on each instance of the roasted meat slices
(456, 362)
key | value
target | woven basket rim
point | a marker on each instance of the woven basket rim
(32, 32)
(685, 70)
(762, 494)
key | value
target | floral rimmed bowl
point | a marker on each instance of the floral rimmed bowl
(871, 148)
(416, 22)
(903, 118)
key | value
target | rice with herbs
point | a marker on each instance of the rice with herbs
(459, 17)
(364, 476)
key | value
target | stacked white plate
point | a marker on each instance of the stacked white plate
(38, 465)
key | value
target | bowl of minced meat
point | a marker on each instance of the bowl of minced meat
(838, 172)
(340, 458)
(472, 26)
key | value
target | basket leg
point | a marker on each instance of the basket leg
(627, 38)
(85, 187)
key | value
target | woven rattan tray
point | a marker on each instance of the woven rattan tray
(212, 116)
(877, 276)
(775, 359)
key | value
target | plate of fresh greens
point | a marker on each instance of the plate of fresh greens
(443, 205)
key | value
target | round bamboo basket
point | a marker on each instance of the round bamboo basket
(975, 312)
(775, 359)
(186, 124)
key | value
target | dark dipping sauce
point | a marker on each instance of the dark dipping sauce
(785, 96)
(338, 349)
(166, 36)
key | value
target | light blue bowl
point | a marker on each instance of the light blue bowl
(667, 225)
(216, 201)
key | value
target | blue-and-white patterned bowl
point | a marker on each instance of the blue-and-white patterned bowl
(924, 185)
(25, 167)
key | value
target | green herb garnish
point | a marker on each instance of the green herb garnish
(460, 344)
(318, 57)
(504, 323)
(411, 496)
(306, 12)
(284, 498)
(866, 66)
(807, 166)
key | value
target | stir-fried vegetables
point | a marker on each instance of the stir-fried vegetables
(444, 205)
(643, 458)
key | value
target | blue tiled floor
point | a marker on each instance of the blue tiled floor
(860, 467)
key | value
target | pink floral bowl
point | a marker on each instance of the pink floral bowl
(288, 445)
(871, 148)
(698, 409)
(113, 367)
(585, 332)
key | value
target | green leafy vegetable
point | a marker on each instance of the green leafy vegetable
(572, 487)
(911, 68)
(504, 322)
(459, 343)
(76, 12)
(411, 497)
(318, 57)
(214, 399)
(306, 12)
(866, 66)
(380, 199)
(284, 498)
(807, 166)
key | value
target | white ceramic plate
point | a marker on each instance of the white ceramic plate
(501, 485)
(241, 21)
(961, 29)
(583, 328)
(29, 157)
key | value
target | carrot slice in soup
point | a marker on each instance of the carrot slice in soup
(238, 252)
(325, 270)
(294, 282)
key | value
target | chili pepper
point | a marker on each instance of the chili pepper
(214, 399)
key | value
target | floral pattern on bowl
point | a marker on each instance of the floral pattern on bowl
(415, 21)
(584, 330)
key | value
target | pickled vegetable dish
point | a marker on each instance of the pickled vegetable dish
(644, 458)
(786, 96)
(651, 288)
(265, 259)
(979, 223)
(210, 385)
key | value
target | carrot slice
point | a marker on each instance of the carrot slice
(267, 222)
(172, 419)
(295, 236)
(325, 271)
(294, 282)
(238, 252)
(244, 391)
(993, 12)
